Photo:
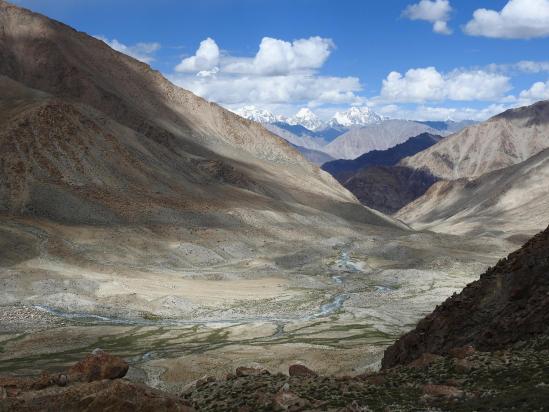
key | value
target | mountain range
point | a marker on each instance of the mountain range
(493, 177)
(347, 134)
(387, 157)
(505, 202)
(378, 183)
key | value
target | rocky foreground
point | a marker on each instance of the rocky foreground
(513, 379)
(485, 349)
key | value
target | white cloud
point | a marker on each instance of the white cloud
(519, 19)
(281, 72)
(205, 59)
(428, 84)
(523, 66)
(140, 51)
(441, 113)
(268, 90)
(538, 91)
(434, 11)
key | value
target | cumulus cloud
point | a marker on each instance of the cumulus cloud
(264, 90)
(434, 11)
(538, 91)
(519, 19)
(140, 51)
(281, 72)
(428, 84)
(205, 59)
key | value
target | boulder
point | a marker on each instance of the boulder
(301, 370)
(243, 371)
(424, 360)
(97, 366)
(462, 352)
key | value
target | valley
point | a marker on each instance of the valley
(334, 306)
(250, 233)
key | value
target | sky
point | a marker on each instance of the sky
(423, 60)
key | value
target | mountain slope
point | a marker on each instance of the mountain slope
(448, 126)
(506, 305)
(386, 157)
(206, 142)
(378, 136)
(314, 156)
(513, 200)
(297, 135)
(388, 188)
(504, 140)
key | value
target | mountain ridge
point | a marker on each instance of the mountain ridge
(503, 140)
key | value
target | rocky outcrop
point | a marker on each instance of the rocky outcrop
(300, 370)
(508, 304)
(92, 384)
(97, 366)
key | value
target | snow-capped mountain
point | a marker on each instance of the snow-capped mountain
(355, 116)
(306, 118)
(256, 114)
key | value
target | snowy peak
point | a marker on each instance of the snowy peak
(355, 116)
(256, 114)
(306, 118)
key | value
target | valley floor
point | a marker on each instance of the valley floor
(333, 304)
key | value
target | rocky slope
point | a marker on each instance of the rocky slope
(388, 157)
(388, 188)
(504, 140)
(506, 380)
(506, 305)
(377, 136)
(508, 202)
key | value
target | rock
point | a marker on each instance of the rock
(97, 366)
(462, 352)
(424, 360)
(376, 379)
(242, 371)
(62, 380)
(463, 365)
(204, 381)
(301, 370)
(104, 395)
(287, 400)
(43, 381)
(442, 391)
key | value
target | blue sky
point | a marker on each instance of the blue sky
(429, 59)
